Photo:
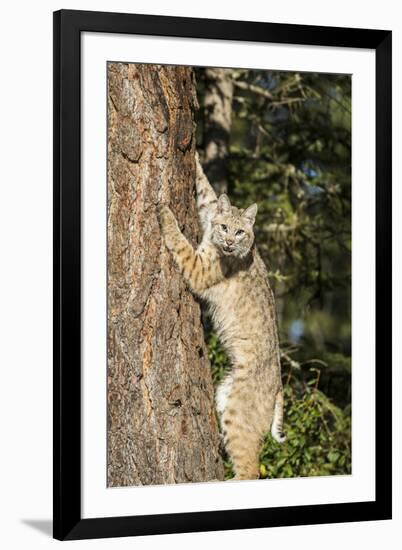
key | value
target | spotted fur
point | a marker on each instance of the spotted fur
(227, 271)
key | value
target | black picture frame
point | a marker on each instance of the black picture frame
(68, 26)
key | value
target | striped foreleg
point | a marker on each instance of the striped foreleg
(197, 267)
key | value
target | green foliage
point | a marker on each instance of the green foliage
(217, 357)
(318, 436)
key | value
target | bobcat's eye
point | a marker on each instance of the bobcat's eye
(239, 232)
(224, 227)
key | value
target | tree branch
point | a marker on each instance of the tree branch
(252, 88)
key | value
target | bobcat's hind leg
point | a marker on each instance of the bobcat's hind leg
(244, 425)
(245, 456)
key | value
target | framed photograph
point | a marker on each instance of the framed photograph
(222, 275)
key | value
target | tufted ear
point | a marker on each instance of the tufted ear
(223, 204)
(250, 213)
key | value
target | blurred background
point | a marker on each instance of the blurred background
(283, 140)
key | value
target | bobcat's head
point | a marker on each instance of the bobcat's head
(232, 228)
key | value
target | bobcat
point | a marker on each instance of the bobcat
(227, 271)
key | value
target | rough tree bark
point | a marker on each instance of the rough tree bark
(162, 426)
(217, 122)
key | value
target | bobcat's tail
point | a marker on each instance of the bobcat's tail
(277, 422)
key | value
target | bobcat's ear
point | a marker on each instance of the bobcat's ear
(250, 213)
(223, 204)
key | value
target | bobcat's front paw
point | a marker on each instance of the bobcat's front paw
(168, 225)
(166, 216)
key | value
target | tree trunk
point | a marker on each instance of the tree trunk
(217, 124)
(162, 425)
